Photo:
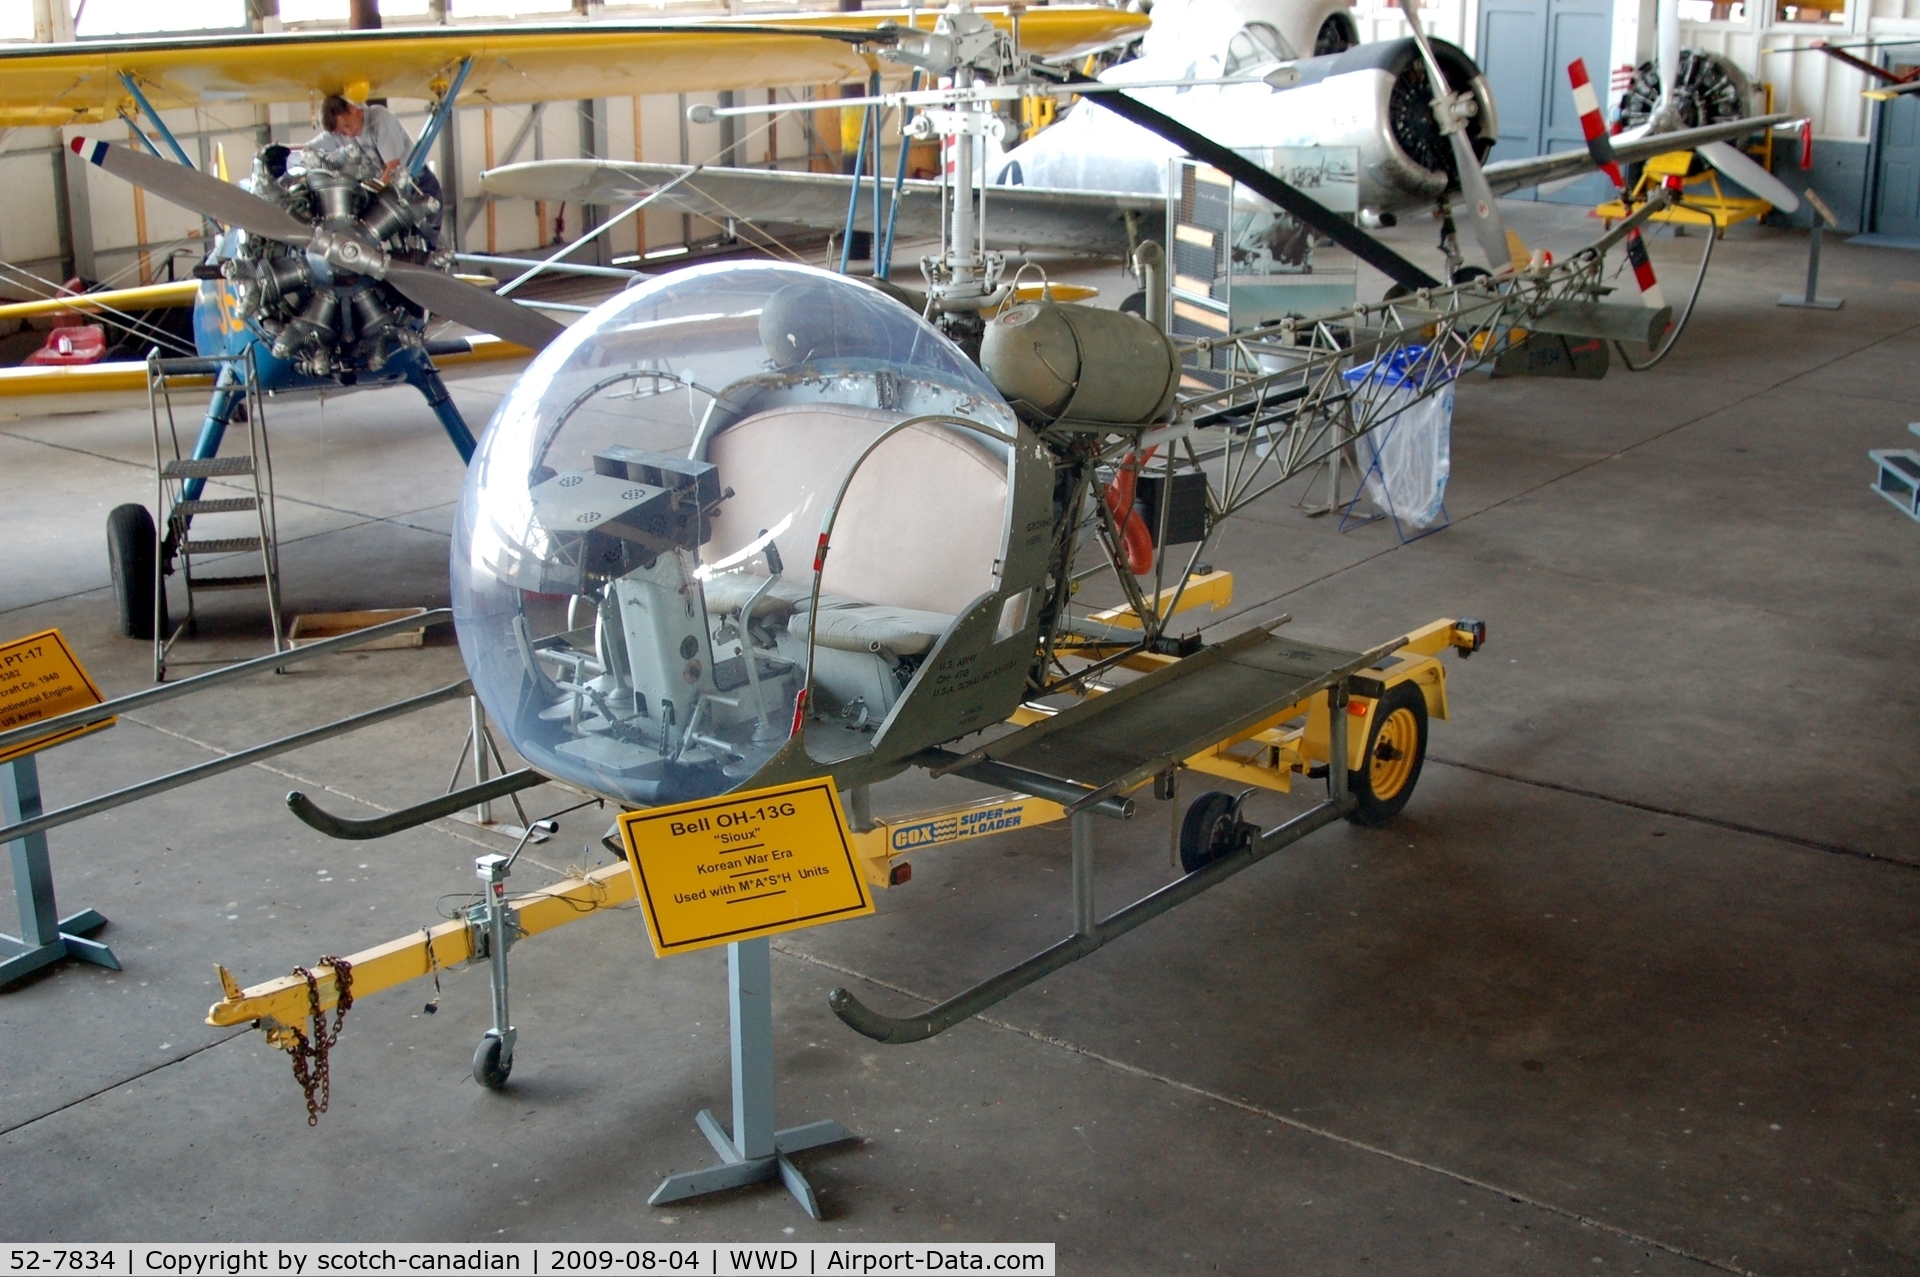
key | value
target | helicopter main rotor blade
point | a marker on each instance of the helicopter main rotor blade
(1298, 203)
(1488, 229)
(1742, 168)
(196, 192)
(475, 307)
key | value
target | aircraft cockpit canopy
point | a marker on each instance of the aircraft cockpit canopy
(635, 577)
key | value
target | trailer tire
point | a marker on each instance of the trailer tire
(488, 1068)
(1210, 830)
(130, 549)
(1396, 750)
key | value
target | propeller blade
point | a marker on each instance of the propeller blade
(1742, 168)
(196, 192)
(1481, 210)
(1668, 35)
(475, 307)
(1593, 124)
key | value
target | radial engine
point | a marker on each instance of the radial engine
(325, 320)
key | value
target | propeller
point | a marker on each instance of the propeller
(1452, 111)
(228, 204)
(1732, 162)
(1600, 147)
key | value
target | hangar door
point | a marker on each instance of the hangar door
(1896, 182)
(1525, 46)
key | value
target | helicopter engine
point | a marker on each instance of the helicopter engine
(325, 320)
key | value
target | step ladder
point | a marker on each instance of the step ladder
(183, 483)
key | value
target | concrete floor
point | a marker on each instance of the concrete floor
(1628, 988)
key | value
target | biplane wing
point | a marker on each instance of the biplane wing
(165, 296)
(122, 383)
(49, 85)
(1024, 217)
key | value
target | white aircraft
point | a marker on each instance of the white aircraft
(1095, 182)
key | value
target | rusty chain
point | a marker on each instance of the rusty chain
(317, 1078)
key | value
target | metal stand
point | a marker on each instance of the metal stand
(45, 937)
(493, 1058)
(755, 1151)
(1812, 300)
(486, 757)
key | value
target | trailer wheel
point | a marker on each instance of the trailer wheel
(488, 1068)
(130, 542)
(1210, 830)
(1396, 748)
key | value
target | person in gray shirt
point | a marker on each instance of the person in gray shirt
(371, 138)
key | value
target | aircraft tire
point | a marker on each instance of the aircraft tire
(1210, 830)
(1135, 303)
(488, 1070)
(1396, 749)
(130, 549)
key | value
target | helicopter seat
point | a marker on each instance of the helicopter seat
(870, 627)
(729, 592)
(918, 537)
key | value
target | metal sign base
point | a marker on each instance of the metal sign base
(755, 1152)
(1811, 300)
(45, 937)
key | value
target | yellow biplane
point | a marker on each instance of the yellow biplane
(325, 277)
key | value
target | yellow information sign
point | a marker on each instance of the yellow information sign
(41, 678)
(744, 865)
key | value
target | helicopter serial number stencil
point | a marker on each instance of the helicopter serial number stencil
(744, 865)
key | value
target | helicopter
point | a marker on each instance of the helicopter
(751, 523)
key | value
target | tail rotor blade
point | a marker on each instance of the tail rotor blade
(1742, 168)
(196, 191)
(474, 307)
(1593, 124)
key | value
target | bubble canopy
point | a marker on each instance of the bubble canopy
(634, 574)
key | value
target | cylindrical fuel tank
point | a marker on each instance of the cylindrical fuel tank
(1054, 361)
